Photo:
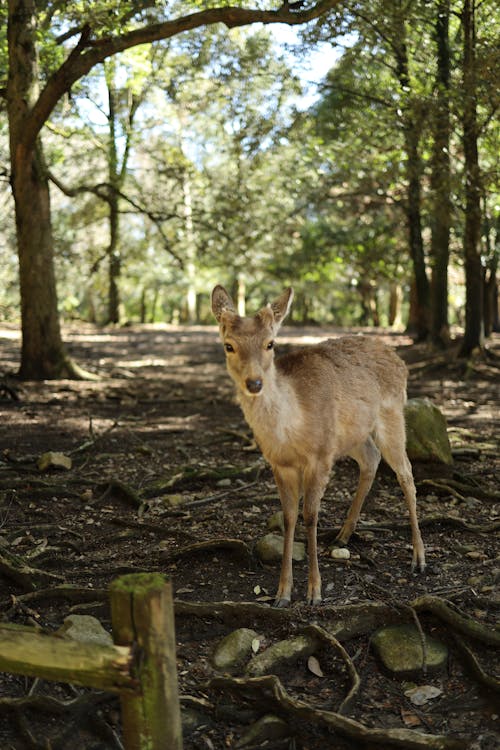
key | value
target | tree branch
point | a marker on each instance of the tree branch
(89, 53)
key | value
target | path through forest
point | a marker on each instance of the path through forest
(162, 461)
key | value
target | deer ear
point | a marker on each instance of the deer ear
(281, 306)
(221, 302)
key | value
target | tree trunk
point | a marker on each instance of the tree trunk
(42, 352)
(474, 272)
(440, 185)
(395, 297)
(114, 261)
(419, 326)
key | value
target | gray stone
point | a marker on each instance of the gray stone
(281, 653)
(233, 649)
(270, 549)
(267, 728)
(426, 435)
(86, 629)
(399, 649)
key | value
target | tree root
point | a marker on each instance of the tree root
(17, 569)
(330, 640)
(328, 535)
(343, 622)
(451, 615)
(233, 545)
(270, 690)
(490, 682)
(459, 489)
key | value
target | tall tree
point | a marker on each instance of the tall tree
(30, 102)
(474, 311)
(440, 181)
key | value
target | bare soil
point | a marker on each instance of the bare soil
(162, 460)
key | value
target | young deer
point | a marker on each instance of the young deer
(307, 408)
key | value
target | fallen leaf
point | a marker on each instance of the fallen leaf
(314, 666)
(255, 645)
(410, 719)
(422, 694)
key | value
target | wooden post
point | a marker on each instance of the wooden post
(142, 613)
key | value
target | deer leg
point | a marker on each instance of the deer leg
(315, 482)
(367, 456)
(288, 483)
(392, 444)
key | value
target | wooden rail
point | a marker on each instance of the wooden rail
(140, 665)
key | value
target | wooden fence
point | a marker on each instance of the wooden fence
(140, 665)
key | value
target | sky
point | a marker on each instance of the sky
(312, 68)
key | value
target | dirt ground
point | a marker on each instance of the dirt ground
(162, 460)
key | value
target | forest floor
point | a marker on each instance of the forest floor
(161, 461)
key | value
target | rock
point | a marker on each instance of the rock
(340, 553)
(54, 460)
(267, 728)
(270, 549)
(86, 629)
(426, 435)
(281, 653)
(276, 522)
(233, 649)
(399, 649)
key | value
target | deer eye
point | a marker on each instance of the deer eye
(270, 345)
(229, 347)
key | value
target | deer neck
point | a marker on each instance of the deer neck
(272, 413)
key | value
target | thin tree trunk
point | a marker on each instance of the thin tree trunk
(440, 185)
(419, 325)
(474, 272)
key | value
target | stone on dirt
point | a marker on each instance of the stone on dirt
(267, 728)
(399, 649)
(233, 649)
(426, 434)
(281, 653)
(54, 460)
(86, 629)
(270, 549)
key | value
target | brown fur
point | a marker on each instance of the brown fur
(343, 397)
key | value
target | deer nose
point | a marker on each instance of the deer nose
(253, 386)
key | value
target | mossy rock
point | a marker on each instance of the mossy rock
(399, 649)
(426, 433)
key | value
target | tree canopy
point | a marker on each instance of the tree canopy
(156, 148)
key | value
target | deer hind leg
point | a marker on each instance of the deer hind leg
(392, 443)
(289, 486)
(367, 456)
(315, 481)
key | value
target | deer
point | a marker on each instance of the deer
(310, 407)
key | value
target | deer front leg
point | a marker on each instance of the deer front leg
(288, 483)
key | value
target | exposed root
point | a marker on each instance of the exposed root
(269, 690)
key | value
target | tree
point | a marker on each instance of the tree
(31, 98)
(440, 181)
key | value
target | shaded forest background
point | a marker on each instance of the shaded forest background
(142, 178)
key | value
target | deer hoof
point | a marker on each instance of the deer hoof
(281, 603)
(314, 601)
